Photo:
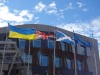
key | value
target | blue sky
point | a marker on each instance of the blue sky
(82, 16)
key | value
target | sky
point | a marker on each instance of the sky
(82, 16)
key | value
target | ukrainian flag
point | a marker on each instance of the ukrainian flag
(28, 34)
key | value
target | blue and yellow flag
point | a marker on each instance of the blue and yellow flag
(28, 34)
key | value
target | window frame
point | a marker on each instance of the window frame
(35, 44)
(63, 46)
(79, 65)
(56, 60)
(81, 47)
(42, 60)
(69, 63)
(20, 46)
(51, 41)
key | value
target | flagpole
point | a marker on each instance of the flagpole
(75, 61)
(40, 57)
(54, 53)
(6, 32)
(74, 50)
(94, 55)
(28, 59)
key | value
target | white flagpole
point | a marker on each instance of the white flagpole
(6, 32)
(74, 50)
(40, 56)
(28, 59)
(54, 53)
(94, 56)
(75, 61)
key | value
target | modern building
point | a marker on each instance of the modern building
(23, 57)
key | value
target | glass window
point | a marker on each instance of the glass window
(79, 65)
(39, 57)
(26, 58)
(66, 47)
(88, 50)
(81, 50)
(51, 44)
(68, 63)
(57, 62)
(73, 47)
(37, 43)
(22, 43)
(44, 60)
(62, 46)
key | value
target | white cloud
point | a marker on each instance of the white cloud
(77, 27)
(80, 5)
(51, 9)
(77, 5)
(61, 10)
(52, 5)
(96, 22)
(3, 24)
(36, 18)
(25, 13)
(16, 16)
(52, 12)
(40, 7)
(70, 6)
(3, 1)
(86, 28)
(85, 9)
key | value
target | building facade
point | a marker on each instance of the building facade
(36, 57)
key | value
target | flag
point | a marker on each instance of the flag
(28, 34)
(60, 36)
(81, 41)
(41, 35)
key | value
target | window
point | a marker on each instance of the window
(68, 63)
(70, 47)
(51, 44)
(81, 49)
(57, 62)
(79, 65)
(88, 50)
(22, 43)
(39, 57)
(37, 43)
(62, 46)
(26, 58)
(66, 47)
(44, 60)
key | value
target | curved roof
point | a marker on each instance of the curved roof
(41, 27)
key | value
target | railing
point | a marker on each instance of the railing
(8, 54)
(8, 50)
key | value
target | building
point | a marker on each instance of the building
(15, 57)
